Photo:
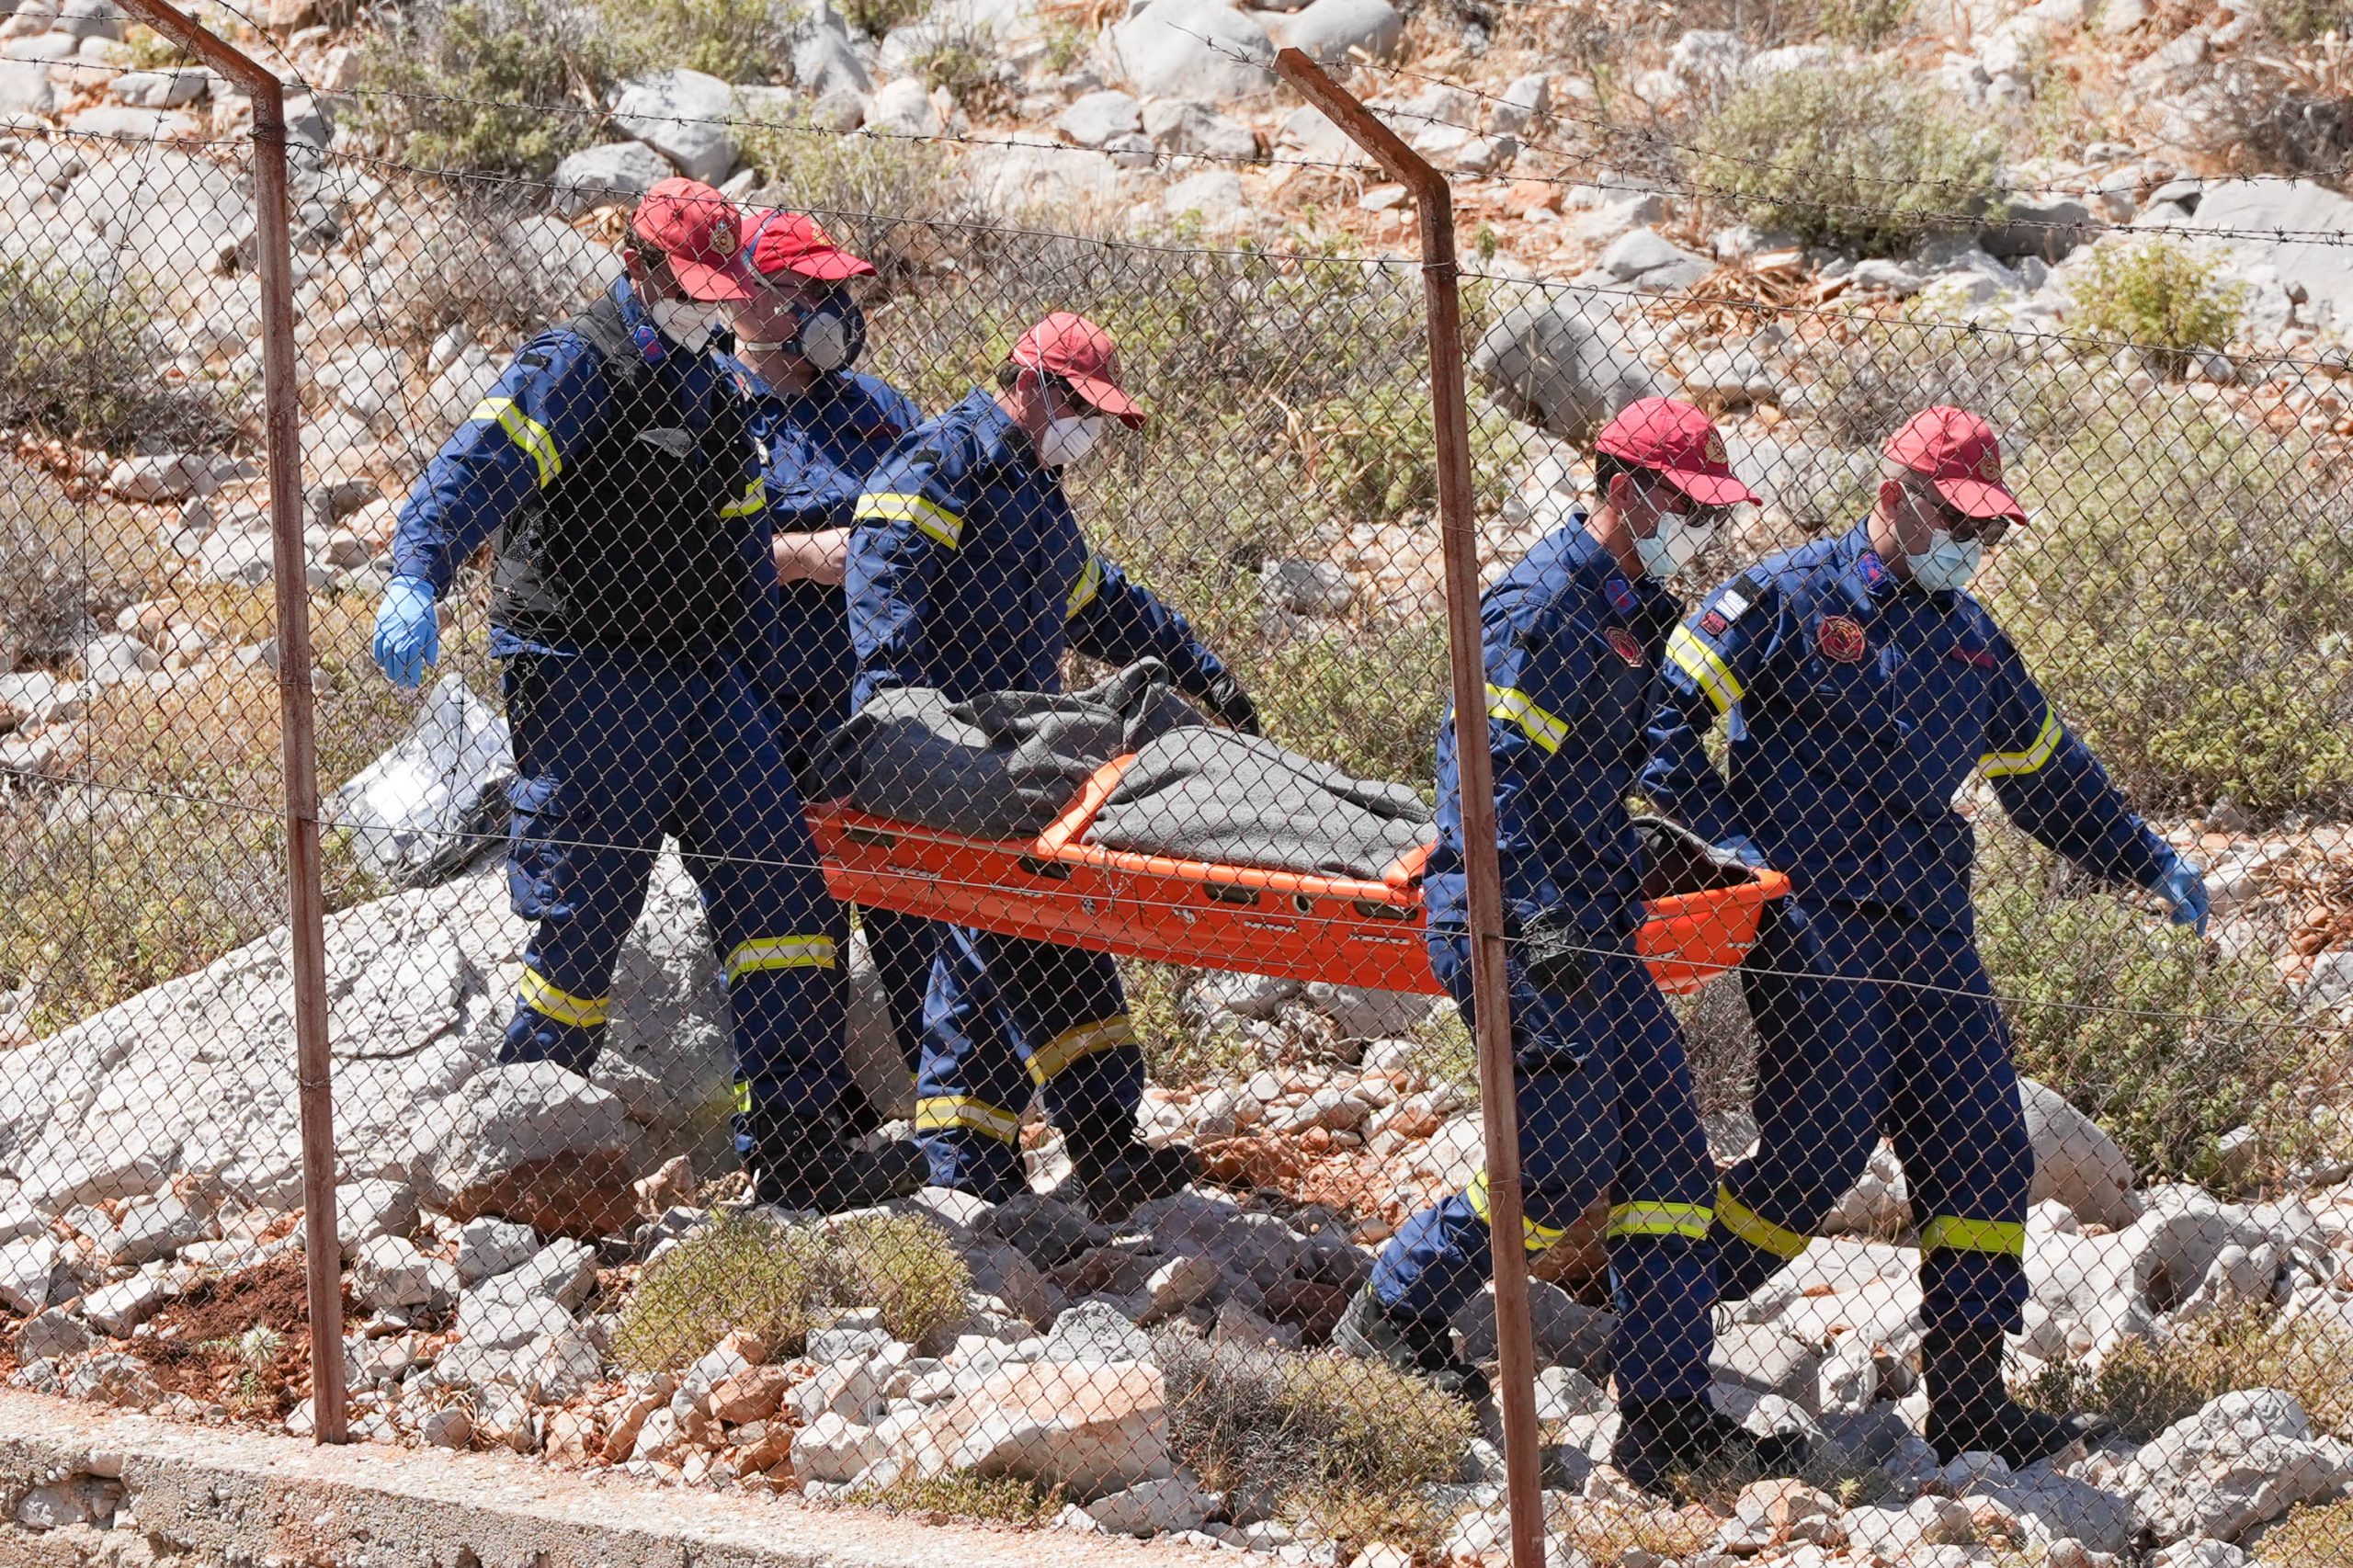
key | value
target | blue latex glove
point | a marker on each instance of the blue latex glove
(408, 631)
(2185, 889)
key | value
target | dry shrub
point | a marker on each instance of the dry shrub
(2147, 1385)
(744, 1273)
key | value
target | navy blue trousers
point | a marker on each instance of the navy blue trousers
(1606, 1104)
(615, 748)
(1870, 1022)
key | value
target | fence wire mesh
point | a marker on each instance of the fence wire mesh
(898, 940)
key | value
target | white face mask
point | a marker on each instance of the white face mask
(1069, 439)
(1676, 543)
(1946, 567)
(684, 322)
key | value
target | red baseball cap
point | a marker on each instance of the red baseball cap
(777, 240)
(1677, 442)
(1958, 452)
(696, 227)
(1069, 345)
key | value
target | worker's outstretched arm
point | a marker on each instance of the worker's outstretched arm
(2052, 787)
(1119, 620)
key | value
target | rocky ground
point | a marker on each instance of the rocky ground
(499, 1222)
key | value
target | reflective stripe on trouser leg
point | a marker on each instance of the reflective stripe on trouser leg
(1062, 1014)
(1568, 1143)
(1661, 1274)
(778, 933)
(1958, 1125)
(595, 771)
(967, 1060)
(943, 1112)
(1825, 1044)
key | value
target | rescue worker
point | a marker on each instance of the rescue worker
(1573, 637)
(1863, 686)
(822, 427)
(968, 573)
(614, 462)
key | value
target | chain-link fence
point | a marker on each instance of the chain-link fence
(900, 932)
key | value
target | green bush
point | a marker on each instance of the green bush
(1318, 1435)
(735, 40)
(2162, 1044)
(744, 1273)
(1865, 23)
(2301, 21)
(2158, 296)
(890, 199)
(45, 566)
(486, 87)
(2184, 595)
(79, 363)
(1858, 157)
(875, 17)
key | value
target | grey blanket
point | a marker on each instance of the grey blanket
(1003, 765)
(1219, 795)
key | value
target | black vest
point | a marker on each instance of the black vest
(627, 549)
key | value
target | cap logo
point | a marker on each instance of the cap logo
(723, 241)
(1989, 464)
(1715, 449)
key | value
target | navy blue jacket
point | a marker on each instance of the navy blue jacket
(1858, 708)
(544, 409)
(968, 572)
(1572, 650)
(819, 447)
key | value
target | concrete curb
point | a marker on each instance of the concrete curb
(226, 1495)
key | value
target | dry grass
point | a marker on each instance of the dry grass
(1348, 1444)
(742, 1273)
(2310, 1538)
(963, 1494)
(2147, 1386)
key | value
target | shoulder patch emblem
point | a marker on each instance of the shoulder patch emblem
(1841, 638)
(1624, 643)
(1870, 569)
(1620, 594)
(1731, 605)
(1979, 658)
(1714, 624)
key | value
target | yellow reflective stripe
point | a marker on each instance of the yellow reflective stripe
(1533, 1236)
(1661, 1220)
(1956, 1234)
(1754, 1229)
(550, 1000)
(525, 432)
(1513, 706)
(1090, 582)
(1705, 667)
(937, 521)
(1104, 1034)
(755, 496)
(943, 1113)
(2003, 764)
(779, 952)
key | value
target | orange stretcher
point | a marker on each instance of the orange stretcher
(1349, 931)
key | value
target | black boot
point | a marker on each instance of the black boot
(1411, 1345)
(814, 1164)
(1116, 1171)
(1971, 1410)
(1661, 1440)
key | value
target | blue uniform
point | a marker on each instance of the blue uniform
(818, 448)
(634, 568)
(968, 573)
(1857, 709)
(1572, 653)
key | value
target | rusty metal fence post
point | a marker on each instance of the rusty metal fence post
(1499, 1106)
(298, 753)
